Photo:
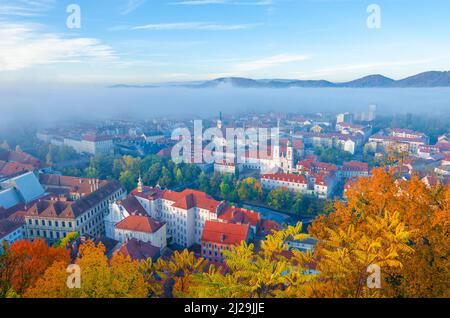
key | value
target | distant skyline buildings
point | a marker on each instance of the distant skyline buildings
(167, 41)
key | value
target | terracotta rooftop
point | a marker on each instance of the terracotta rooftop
(324, 166)
(138, 250)
(191, 198)
(240, 216)
(287, 177)
(268, 226)
(139, 223)
(225, 233)
(19, 157)
(82, 186)
(96, 138)
(12, 168)
(66, 209)
(355, 166)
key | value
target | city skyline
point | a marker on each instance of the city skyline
(163, 41)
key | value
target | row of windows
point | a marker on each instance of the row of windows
(51, 223)
(277, 182)
(210, 246)
(46, 234)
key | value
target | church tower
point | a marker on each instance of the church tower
(140, 186)
(276, 144)
(219, 122)
(290, 156)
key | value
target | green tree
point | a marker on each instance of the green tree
(227, 188)
(297, 207)
(280, 199)
(166, 178)
(203, 182)
(249, 189)
(128, 180)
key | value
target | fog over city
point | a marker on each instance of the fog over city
(50, 104)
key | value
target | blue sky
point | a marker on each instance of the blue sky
(139, 41)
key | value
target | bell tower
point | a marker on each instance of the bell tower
(140, 186)
(219, 121)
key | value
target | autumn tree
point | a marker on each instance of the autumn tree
(249, 189)
(423, 215)
(270, 272)
(118, 278)
(24, 262)
(172, 277)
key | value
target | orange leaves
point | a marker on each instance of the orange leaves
(400, 225)
(118, 278)
(30, 260)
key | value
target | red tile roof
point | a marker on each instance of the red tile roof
(138, 250)
(139, 223)
(18, 216)
(12, 168)
(225, 233)
(350, 183)
(96, 138)
(287, 177)
(239, 215)
(268, 226)
(324, 166)
(165, 152)
(81, 186)
(398, 139)
(298, 144)
(322, 180)
(19, 157)
(191, 198)
(73, 209)
(355, 166)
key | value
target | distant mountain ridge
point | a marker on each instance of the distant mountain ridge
(426, 79)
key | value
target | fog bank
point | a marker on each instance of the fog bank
(49, 104)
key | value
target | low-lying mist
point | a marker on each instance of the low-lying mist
(46, 105)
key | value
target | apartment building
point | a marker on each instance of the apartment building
(52, 219)
(219, 237)
(292, 182)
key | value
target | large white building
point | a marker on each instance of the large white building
(184, 214)
(320, 185)
(52, 219)
(292, 182)
(90, 144)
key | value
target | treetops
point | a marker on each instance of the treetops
(398, 227)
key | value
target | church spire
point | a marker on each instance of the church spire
(219, 122)
(140, 185)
